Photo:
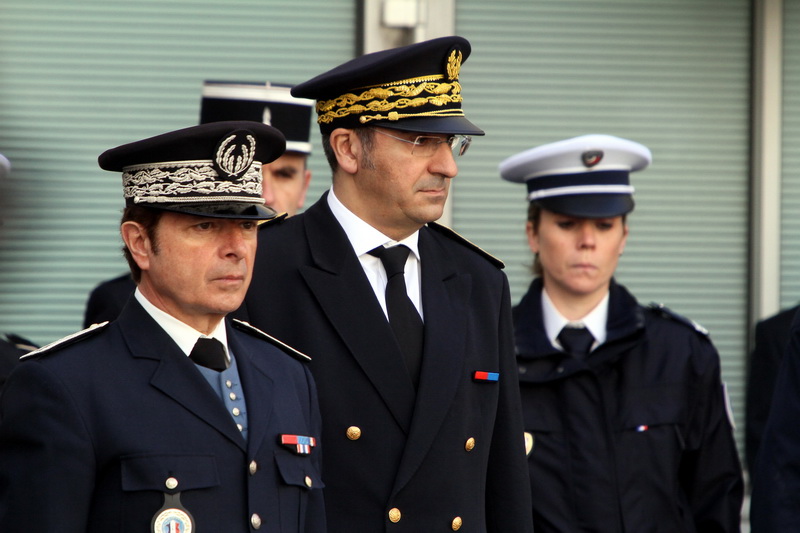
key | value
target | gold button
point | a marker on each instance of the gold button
(236, 411)
(309, 482)
(253, 467)
(228, 383)
(232, 396)
(255, 521)
(394, 514)
(457, 523)
(171, 483)
(530, 440)
(470, 444)
(354, 433)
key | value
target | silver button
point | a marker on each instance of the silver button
(228, 383)
(232, 396)
(171, 483)
(255, 521)
(236, 411)
(241, 427)
(253, 468)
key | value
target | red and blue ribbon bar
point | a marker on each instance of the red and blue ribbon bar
(300, 443)
(480, 375)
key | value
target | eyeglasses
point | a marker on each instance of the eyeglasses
(426, 145)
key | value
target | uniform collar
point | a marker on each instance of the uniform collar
(595, 321)
(361, 235)
(184, 335)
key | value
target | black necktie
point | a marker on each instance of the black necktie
(403, 316)
(209, 353)
(576, 341)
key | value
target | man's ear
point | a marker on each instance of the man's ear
(138, 243)
(347, 147)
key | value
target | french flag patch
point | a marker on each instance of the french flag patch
(482, 376)
(299, 444)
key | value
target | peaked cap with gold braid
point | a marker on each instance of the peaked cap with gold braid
(412, 88)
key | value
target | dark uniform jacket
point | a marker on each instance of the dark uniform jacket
(771, 337)
(107, 299)
(635, 439)
(451, 455)
(775, 503)
(92, 431)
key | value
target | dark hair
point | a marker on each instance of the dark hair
(149, 219)
(365, 135)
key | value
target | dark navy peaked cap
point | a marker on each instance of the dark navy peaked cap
(586, 176)
(270, 103)
(413, 88)
(210, 170)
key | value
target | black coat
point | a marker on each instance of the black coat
(775, 503)
(93, 428)
(107, 300)
(452, 454)
(771, 337)
(635, 438)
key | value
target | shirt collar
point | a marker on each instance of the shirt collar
(184, 335)
(361, 235)
(595, 321)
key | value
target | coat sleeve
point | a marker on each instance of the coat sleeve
(775, 504)
(762, 371)
(710, 471)
(508, 491)
(47, 466)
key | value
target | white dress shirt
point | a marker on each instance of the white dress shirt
(595, 321)
(364, 238)
(184, 335)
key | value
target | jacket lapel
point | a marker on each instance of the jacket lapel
(176, 377)
(445, 297)
(337, 280)
(258, 388)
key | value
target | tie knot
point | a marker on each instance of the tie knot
(210, 353)
(576, 341)
(393, 258)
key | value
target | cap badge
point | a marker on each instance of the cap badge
(591, 157)
(234, 155)
(454, 64)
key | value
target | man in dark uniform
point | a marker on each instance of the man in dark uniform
(285, 180)
(771, 338)
(625, 414)
(775, 502)
(172, 418)
(417, 380)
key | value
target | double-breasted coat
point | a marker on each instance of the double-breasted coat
(97, 432)
(451, 456)
(636, 437)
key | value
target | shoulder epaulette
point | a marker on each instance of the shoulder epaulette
(68, 340)
(448, 232)
(252, 330)
(669, 313)
(270, 221)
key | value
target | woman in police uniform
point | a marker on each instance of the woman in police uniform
(624, 410)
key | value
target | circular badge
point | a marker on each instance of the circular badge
(172, 521)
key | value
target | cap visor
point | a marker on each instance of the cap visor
(232, 210)
(589, 205)
(446, 125)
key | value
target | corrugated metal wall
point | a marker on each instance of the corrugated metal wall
(673, 75)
